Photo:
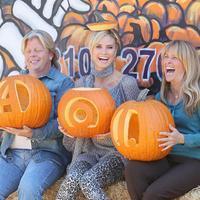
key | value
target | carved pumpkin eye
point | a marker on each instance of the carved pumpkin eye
(24, 100)
(85, 112)
(135, 128)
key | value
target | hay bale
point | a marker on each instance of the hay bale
(194, 194)
(117, 191)
(49, 194)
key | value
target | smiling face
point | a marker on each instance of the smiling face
(173, 68)
(104, 52)
(37, 58)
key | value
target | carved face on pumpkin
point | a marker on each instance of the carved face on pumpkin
(135, 128)
(86, 112)
(24, 100)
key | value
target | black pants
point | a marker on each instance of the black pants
(164, 179)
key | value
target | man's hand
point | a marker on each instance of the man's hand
(25, 131)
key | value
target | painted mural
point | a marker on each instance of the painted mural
(145, 26)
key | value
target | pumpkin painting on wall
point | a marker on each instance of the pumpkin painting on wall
(135, 129)
(86, 112)
(24, 100)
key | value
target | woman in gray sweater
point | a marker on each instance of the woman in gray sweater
(96, 163)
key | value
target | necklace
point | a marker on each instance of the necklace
(175, 96)
(103, 73)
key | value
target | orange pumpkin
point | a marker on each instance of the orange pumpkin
(108, 16)
(102, 26)
(135, 128)
(77, 36)
(192, 15)
(175, 13)
(128, 2)
(184, 3)
(187, 34)
(126, 22)
(142, 2)
(86, 112)
(24, 100)
(73, 18)
(127, 8)
(157, 10)
(155, 29)
(119, 63)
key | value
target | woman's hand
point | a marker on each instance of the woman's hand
(103, 136)
(62, 130)
(25, 131)
(145, 83)
(169, 139)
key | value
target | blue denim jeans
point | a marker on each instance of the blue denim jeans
(29, 172)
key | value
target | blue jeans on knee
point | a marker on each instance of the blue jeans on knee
(29, 171)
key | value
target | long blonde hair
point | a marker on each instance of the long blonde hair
(191, 84)
(46, 40)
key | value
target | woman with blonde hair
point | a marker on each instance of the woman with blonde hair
(95, 162)
(178, 173)
(32, 159)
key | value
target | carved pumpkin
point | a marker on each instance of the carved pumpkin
(24, 100)
(135, 128)
(86, 112)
